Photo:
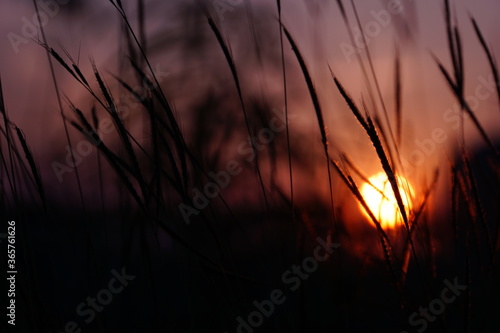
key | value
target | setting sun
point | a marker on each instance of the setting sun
(380, 199)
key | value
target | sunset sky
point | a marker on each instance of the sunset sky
(199, 173)
(91, 29)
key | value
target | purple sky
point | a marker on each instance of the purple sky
(92, 29)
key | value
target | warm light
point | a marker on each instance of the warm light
(379, 197)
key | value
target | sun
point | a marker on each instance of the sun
(379, 197)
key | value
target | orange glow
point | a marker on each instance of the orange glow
(380, 199)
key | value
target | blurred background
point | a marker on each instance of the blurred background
(202, 275)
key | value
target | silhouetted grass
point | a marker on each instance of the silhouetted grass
(156, 168)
